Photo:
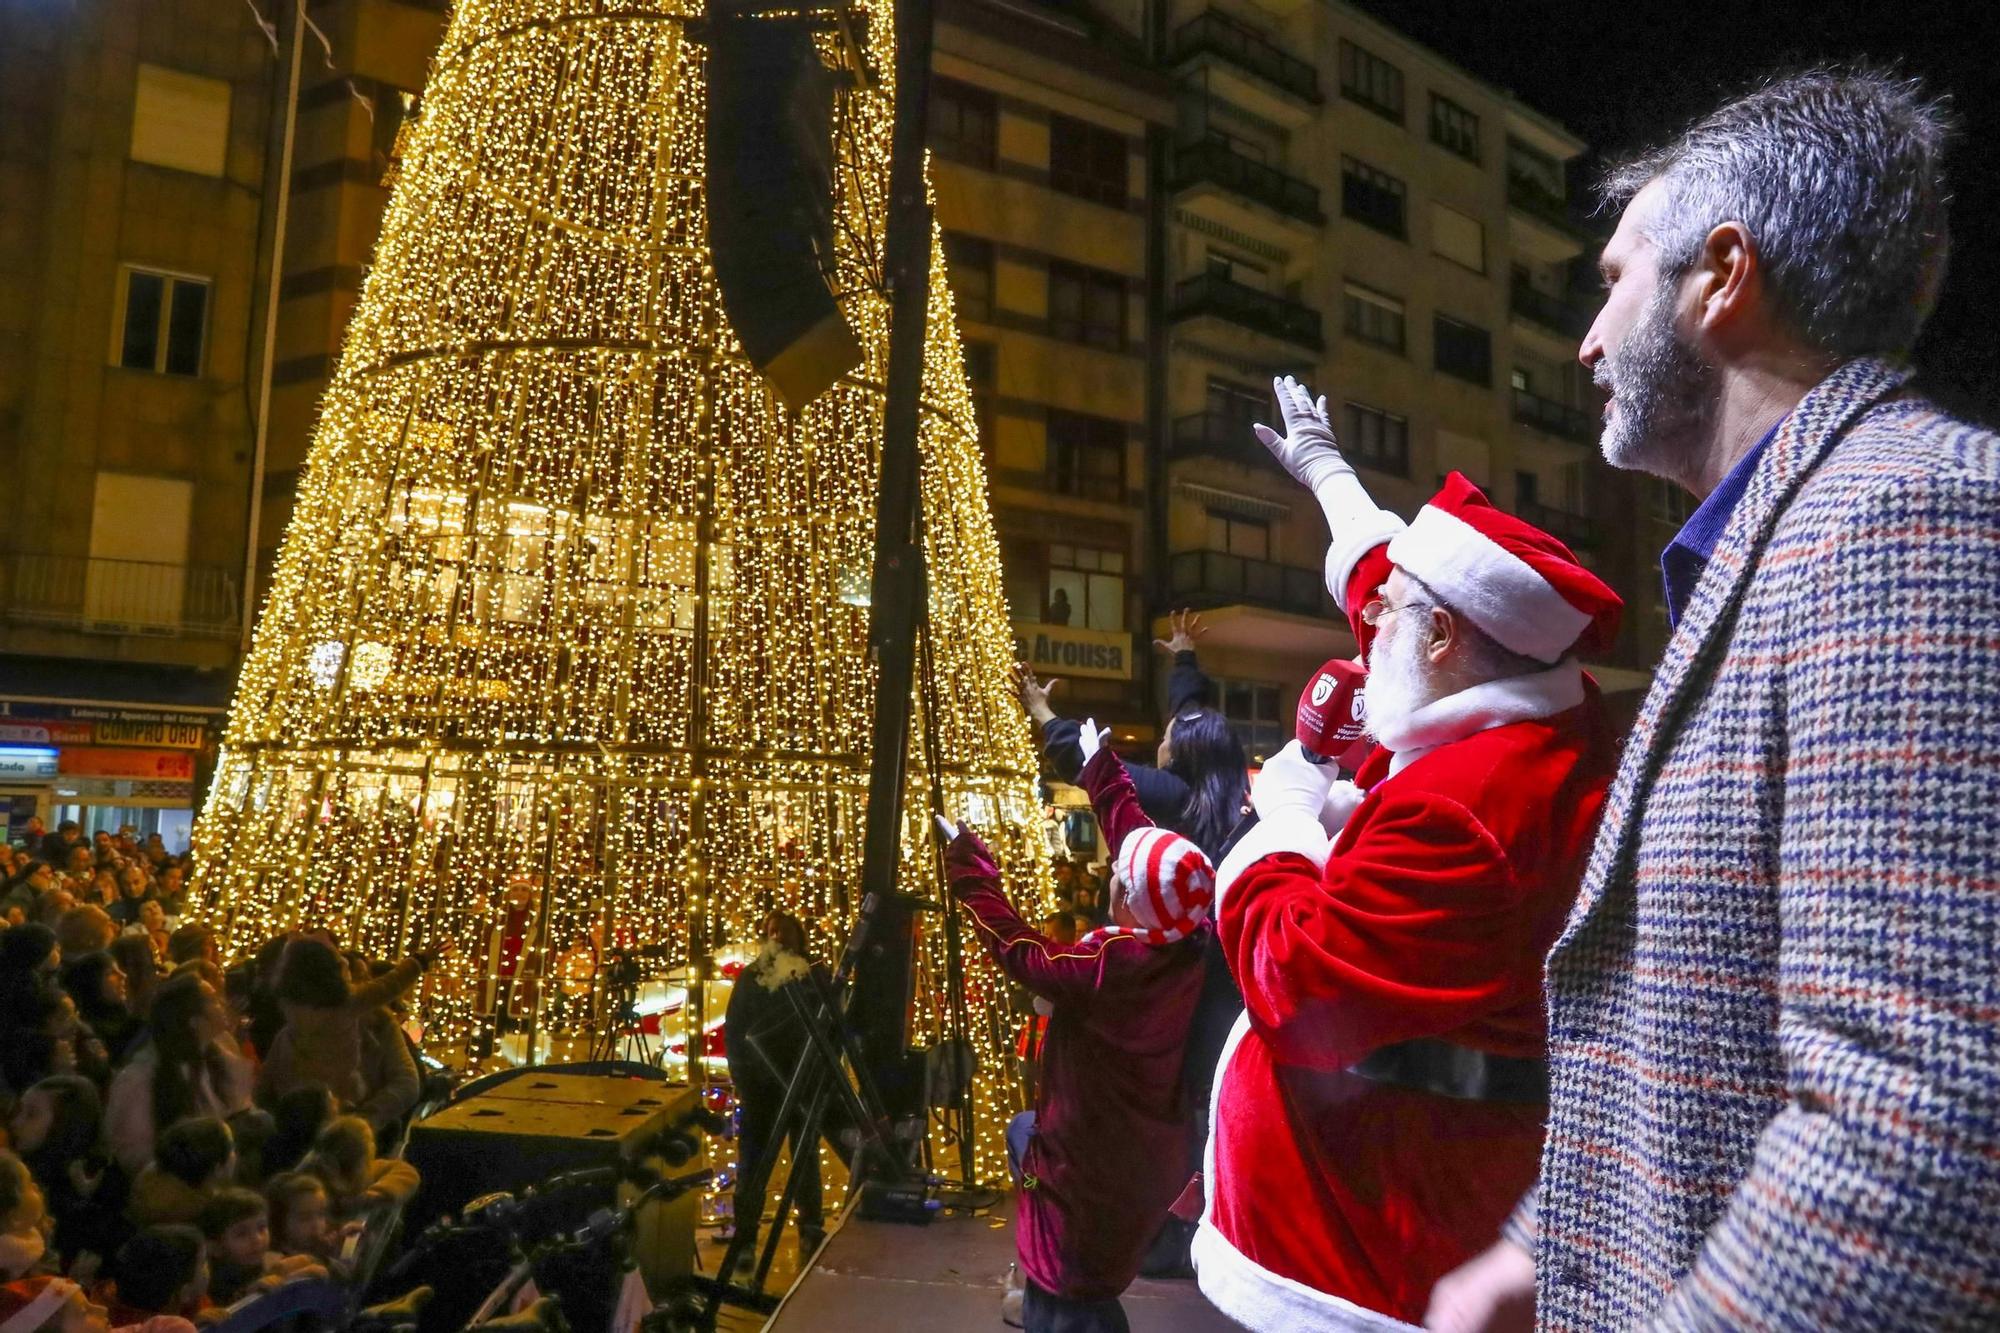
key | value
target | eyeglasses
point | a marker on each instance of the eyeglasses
(1373, 611)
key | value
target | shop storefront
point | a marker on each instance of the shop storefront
(105, 765)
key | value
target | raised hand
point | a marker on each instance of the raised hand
(1187, 629)
(1034, 694)
(1091, 739)
(1307, 449)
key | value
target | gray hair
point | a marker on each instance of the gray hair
(1838, 175)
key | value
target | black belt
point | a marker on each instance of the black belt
(1430, 1065)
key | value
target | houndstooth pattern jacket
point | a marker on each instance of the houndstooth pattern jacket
(1775, 1010)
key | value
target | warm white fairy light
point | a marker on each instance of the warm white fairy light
(606, 597)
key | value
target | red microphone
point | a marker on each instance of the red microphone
(1332, 723)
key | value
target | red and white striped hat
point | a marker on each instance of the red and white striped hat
(1169, 885)
(1517, 583)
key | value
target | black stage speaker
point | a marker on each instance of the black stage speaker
(534, 1126)
(770, 200)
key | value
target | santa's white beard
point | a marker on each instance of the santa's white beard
(1399, 681)
(1664, 396)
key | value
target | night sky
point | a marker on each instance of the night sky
(1626, 75)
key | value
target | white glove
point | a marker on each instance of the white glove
(1091, 739)
(1291, 787)
(1307, 449)
(1343, 798)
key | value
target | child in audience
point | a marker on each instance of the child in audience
(50, 1305)
(191, 1160)
(302, 1220)
(236, 1224)
(55, 1131)
(162, 1281)
(24, 1220)
(356, 1180)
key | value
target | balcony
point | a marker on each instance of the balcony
(99, 596)
(1204, 579)
(1549, 312)
(1560, 419)
(1212, 32)
(1274, 316)
(1213, 161)
(1218, 435)
(1576, 529)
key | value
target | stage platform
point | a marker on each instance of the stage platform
(879, 1277)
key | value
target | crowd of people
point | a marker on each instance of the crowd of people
(180, 1138)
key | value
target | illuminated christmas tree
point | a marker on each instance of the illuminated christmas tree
(565, 648)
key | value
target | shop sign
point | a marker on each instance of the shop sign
(1058, 650)
(113, 762)
(27, 762)
(89, 724)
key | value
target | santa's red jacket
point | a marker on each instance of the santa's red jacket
(1336, 1200)
(1108, 1155)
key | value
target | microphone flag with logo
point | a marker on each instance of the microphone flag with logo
(1333, 714)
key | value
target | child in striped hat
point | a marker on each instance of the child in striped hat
(1099, 1158)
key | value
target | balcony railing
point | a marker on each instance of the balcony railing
(1213, 294)
(1537, 200)
(1214, 161)
(1546, 414)
(1551, 312)
(101, 596)
(1214, 33)
(1576, 529)
(1218, 435)
(1216, 578)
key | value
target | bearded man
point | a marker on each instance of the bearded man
(1774, 1048)
(1380, 1104)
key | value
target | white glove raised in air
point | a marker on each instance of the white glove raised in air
(1091, 739)
(1291, 787)
(1307, 449)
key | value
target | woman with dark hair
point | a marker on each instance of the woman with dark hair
(325, 1016)
(29, 957)
(97, 984)
(134, 956)
(55, 1131)
(267, 1015)
(189, 1067)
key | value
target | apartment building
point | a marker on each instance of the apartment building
(131, 202)
(1348, 206)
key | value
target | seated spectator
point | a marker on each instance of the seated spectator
(97, 984)
(236, 1224)
(162, 1275)
(85, 929)
(55, 1130)
(189, 1067)
(50, 1305)
(300, 1115)
(302, 1220)
(134, 956)
(23, 1217)
(193, 942)
(193, 1158)
(324, 1018)
(356, 1180)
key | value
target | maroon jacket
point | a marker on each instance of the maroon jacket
(1109, 1151)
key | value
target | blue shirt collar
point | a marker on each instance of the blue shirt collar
(1688, 554)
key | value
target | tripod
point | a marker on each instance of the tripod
(622, 1038)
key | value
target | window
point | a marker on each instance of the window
(1248, 537)
(1086, 305)
(1462, 350)
(180, 121)
(1374, 317)
(1521, 380)
(1088, 161)
(1458, 238)
(1086, 456)
(1377, 439)
(139, 529)
(982, 373)
(969, 268)
(1086, 588)
(1372, 197)
(161, 319)
(963, 123)
(1454, 129)
(1236, 406)
(1373, 82)
(1527, 488)
(1255, 710)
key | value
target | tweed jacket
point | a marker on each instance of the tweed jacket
(1775, 1009)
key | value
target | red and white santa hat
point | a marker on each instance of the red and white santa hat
(1169, 885)
(1514, 581)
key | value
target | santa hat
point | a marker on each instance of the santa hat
(1521, 586)
(30, 1303)
(1169, 884)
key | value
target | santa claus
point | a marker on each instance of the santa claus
(1379, 1107)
